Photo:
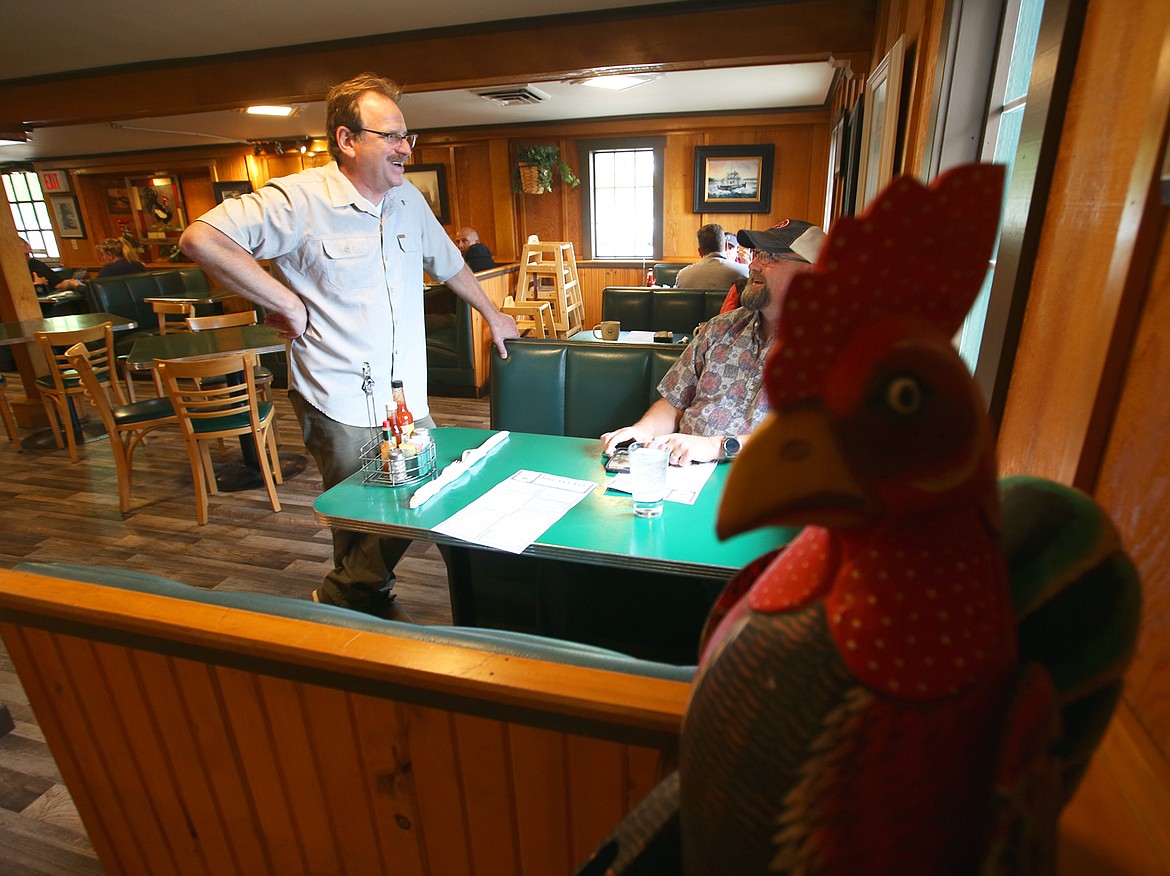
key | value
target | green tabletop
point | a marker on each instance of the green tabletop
(600, 530)
(202, 345)
(680, 338)
(24, 332)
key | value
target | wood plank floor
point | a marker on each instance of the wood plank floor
(54, 510)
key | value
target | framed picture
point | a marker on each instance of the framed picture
(431, 180)
(68, 216)
(156, 203)
(117, 200)
(733, 179)
(851, 159)
(879, 143)
(231, 188)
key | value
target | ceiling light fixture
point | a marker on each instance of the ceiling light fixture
(283, 111)
(619, 82)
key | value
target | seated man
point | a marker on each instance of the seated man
(715, 269)
(476, 254)
(45, 278)
(712, 397)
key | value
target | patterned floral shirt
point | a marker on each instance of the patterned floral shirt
(718, 380)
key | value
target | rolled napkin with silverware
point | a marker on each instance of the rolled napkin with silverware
(470, 456)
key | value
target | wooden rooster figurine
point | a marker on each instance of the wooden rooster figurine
(861, 704)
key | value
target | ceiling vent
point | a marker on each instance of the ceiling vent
(514, 95)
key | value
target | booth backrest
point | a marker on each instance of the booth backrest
(450, 357)
(654, 309)
(666, 273)
(126, 296)
(207, 732)
(577, 388)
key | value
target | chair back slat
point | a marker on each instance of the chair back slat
(172, 315)
(221, 320)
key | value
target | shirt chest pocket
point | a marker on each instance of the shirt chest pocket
(345, 263)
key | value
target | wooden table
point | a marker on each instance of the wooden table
(24, 332)
(599, 543)
(202, 345)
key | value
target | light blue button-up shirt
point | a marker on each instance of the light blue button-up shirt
(359, 271)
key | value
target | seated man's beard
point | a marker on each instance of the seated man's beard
(754, 297)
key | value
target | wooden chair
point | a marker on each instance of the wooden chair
(62, 385)
(216, 398)
(172, 315)
(231, 320)
(126, 425)
(533, 318)
(6, 412)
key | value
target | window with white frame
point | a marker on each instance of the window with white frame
(1001, 134)
(622, 203)
(30, 213)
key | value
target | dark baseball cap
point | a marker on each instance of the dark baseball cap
(792, 235)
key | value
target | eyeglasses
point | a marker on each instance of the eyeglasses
(766, 258)
(392, 138)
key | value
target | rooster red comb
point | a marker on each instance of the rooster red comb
(916, 251)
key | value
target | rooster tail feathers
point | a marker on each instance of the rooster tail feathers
(1077, 598)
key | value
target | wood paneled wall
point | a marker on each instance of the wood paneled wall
(1087, 401)
(478, 166)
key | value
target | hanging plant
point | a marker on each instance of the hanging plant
(535, 166)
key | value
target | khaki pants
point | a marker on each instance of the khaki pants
(363, 564)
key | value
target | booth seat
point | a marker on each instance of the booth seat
(126, 296)
(450, 356)
(655, 309)
(576, 388)
(247, 733)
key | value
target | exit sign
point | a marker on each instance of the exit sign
(53, 181)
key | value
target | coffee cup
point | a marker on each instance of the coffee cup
(607, 330)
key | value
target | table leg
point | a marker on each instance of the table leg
(83, 432)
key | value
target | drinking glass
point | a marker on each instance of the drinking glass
(648, 476)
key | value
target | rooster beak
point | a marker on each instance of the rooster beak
(791, 473)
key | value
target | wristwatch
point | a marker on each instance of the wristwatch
(729, 447)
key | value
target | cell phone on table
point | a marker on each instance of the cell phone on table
(620, 461)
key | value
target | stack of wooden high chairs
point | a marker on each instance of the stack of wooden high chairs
(548, 272)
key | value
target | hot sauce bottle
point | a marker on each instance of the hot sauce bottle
(403, 418)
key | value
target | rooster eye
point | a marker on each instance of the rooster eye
(904, 395)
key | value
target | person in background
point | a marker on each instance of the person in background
(120, 258)
(714, 269)
(347, 244)
(44, 277)
(712, 397)
(734, 251)
(476, 254)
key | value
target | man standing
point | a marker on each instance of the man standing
(476, 254)
(347, 244)
(715, 270)
(712, 397)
